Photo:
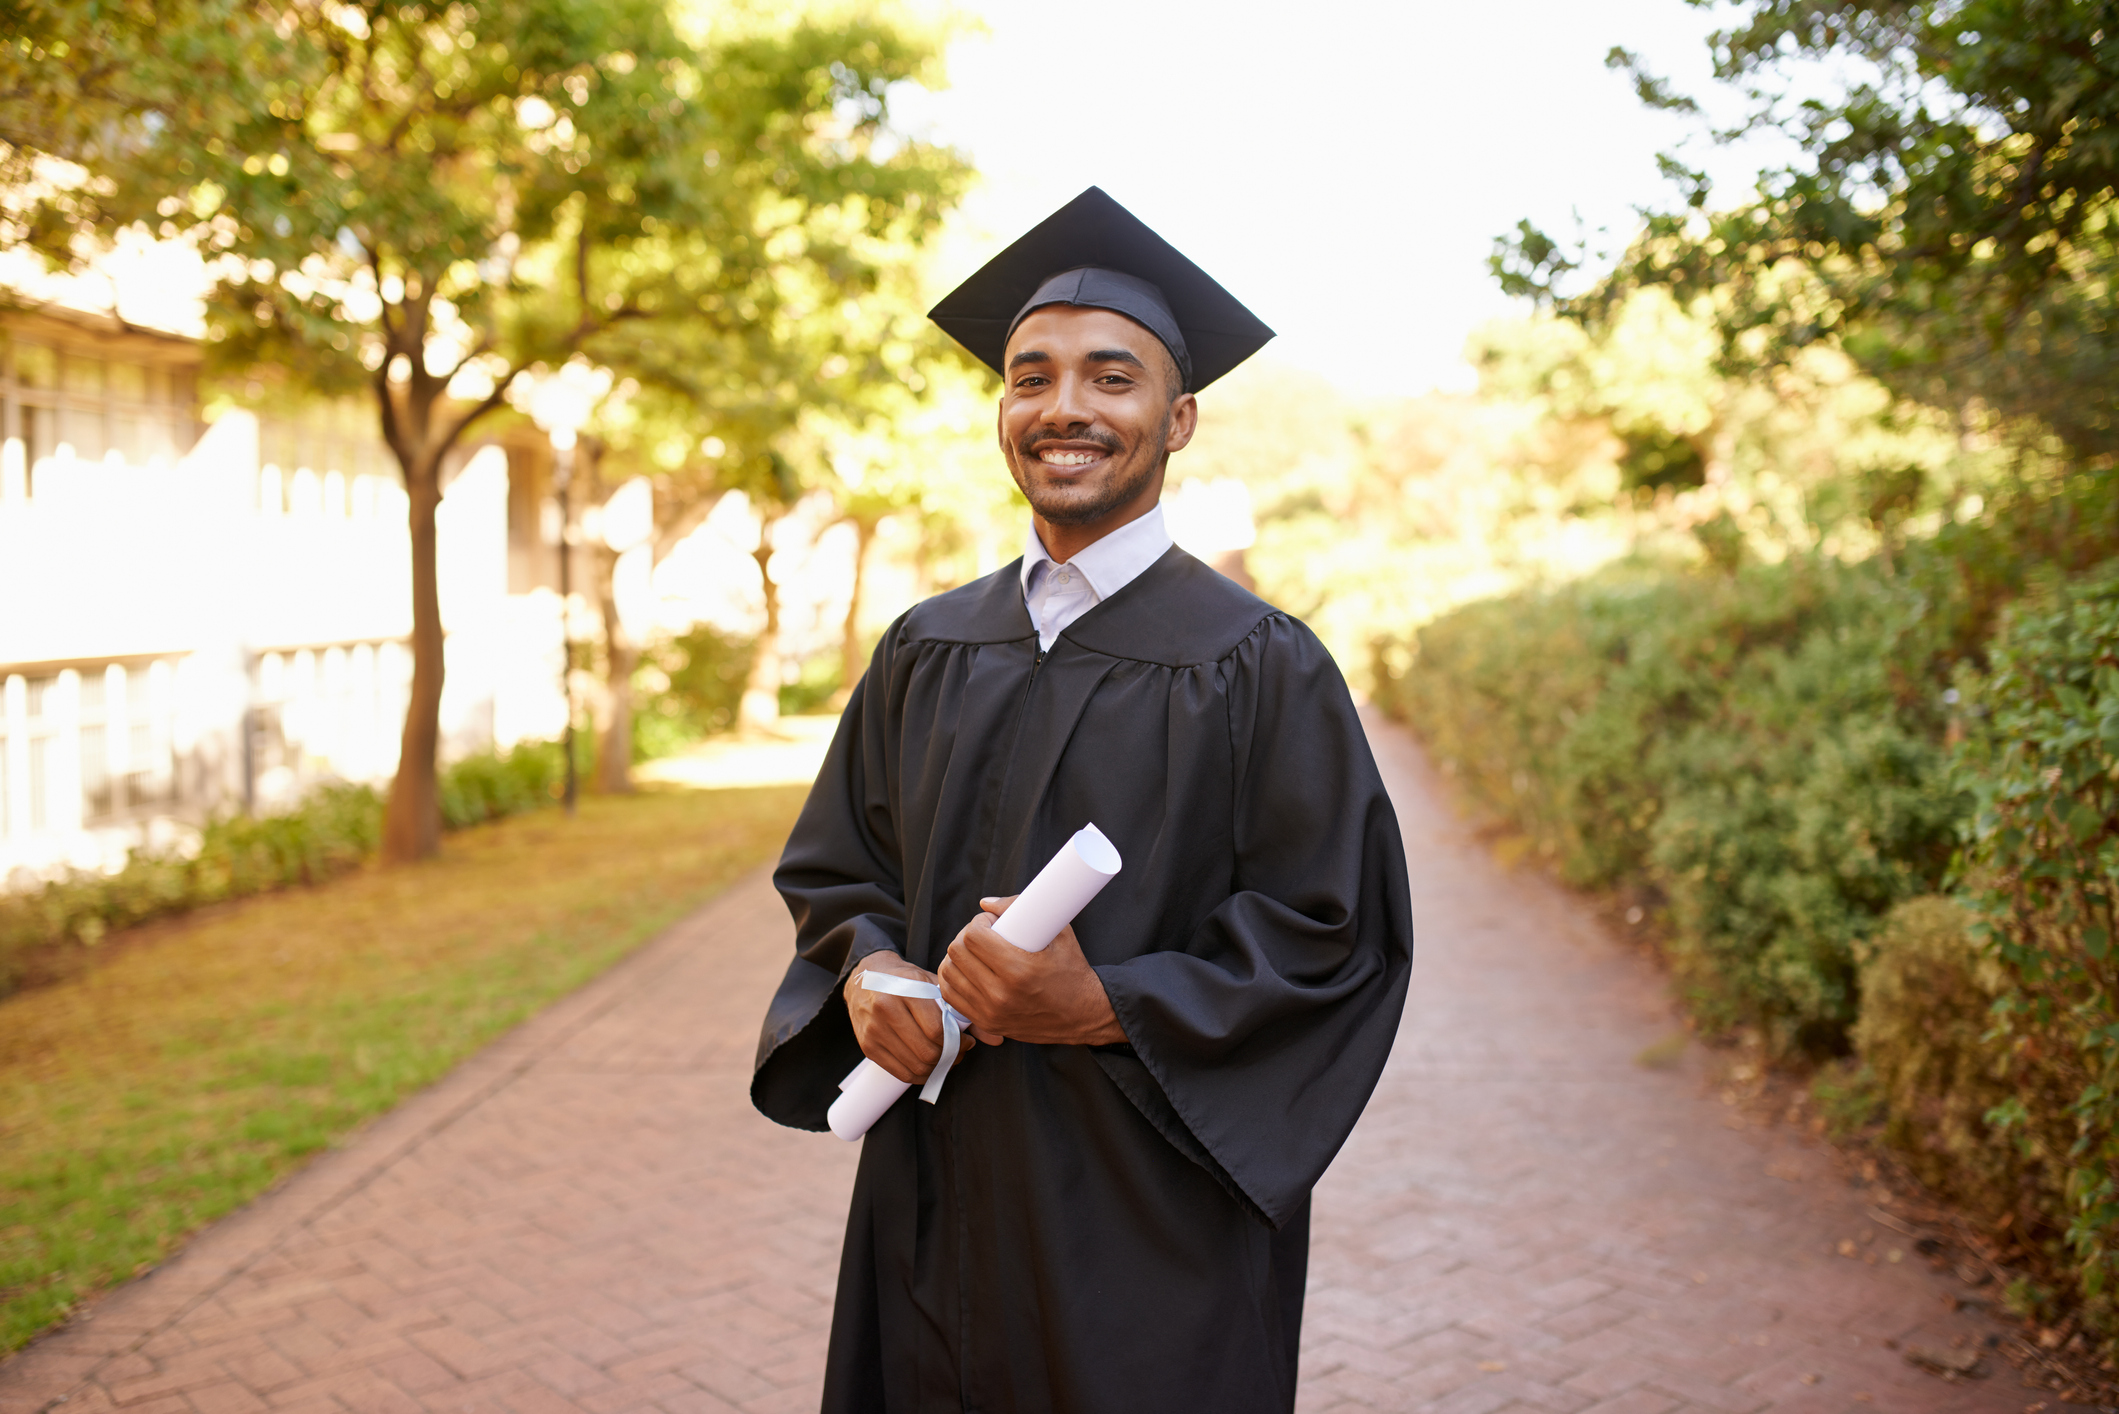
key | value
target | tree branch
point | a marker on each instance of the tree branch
(488, 403)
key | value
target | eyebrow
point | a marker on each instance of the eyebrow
(1095, 356)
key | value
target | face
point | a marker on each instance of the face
(1090, 413)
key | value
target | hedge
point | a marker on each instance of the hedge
(1876, 810)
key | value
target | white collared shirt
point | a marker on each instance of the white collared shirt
(1058, 594)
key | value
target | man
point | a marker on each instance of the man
(1107, 1206)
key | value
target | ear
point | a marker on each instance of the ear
(1184, 421)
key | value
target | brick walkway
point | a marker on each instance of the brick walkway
(589, 1216)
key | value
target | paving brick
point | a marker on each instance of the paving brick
(227, 1397)
(1635, 1401)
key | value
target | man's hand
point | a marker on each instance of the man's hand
(1051, 998)
(901, 1034)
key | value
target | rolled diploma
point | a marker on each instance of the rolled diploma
(1061, 890)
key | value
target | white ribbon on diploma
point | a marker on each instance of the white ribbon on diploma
(953, 1023)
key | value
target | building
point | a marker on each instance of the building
(198, 618)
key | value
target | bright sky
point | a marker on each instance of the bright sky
(1341, 166)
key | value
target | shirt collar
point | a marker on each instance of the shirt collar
(1114, 561)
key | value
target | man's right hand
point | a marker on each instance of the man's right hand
(901, 1034)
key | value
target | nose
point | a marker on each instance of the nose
(1067, 410)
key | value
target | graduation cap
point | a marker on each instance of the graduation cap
(1093, 252)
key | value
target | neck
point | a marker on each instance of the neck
(1064, 542)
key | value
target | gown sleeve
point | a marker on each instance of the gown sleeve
(1268, 1029)
(841, 879)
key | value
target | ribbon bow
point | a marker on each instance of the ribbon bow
(953, 1022)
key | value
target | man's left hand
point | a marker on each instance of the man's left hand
(1050, 998)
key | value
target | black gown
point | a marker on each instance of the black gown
(1110, 1229)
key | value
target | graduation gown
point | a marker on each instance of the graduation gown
(1110, 1229)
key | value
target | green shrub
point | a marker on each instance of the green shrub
(1763, 750)
(492, 786)
(689, 687)
(1928, 991)
(334, 829)
(2042, 765)
(813, 689)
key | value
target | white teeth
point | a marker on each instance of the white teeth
(1066, 458)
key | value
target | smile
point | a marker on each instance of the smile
(1057, 456)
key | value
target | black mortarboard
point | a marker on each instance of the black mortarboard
(1094, 252)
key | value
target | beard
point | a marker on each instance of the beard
(1080, 504)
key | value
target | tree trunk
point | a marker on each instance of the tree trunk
(850, 664)
(614, 756)
(412, 818)
(761, 695)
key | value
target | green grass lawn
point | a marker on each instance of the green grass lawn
(206, 1057)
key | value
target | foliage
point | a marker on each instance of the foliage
(75, 79)
(333, 830)
(492, 785)
(691, 686)
(1950, 220)
(1765, 749)
(187, 1075)
(1582, 445)
(1927, 998)
(813, 689)
(2043, 769)
(1739, 744)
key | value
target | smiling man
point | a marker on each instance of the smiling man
(1106, 1207)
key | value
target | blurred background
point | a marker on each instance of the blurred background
(1695, 421)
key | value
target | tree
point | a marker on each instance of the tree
(918, 447)
(420, 201)
(785, 360)
(1950, 222)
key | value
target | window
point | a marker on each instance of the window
(79, 373)
(148, 764)
(96, 405)
(132, 436)
(128, 381)
(43, 724)
(36, 367)
(40, 438)
(99, 801)
(82, 428)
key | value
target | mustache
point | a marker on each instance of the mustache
(1033, 440)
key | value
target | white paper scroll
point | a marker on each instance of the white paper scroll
(1061, 890)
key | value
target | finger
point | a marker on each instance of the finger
(986, 951)
(957, 993)
(998, 904)
(980, 1033)
(965, 975)
(907, 1062)
(916, 1025)
(926, 1021)
(969, 985)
